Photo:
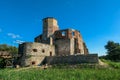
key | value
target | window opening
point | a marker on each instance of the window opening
(63, 33)
(50, 53)
(43, 51)
(34, 50)
(33, 62)
(73, 33)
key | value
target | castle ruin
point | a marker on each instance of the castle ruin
(52, 42)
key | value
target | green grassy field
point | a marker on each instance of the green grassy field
(111, 73)
(60, 74)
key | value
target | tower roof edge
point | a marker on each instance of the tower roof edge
(49, 18)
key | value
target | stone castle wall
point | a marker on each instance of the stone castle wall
(54, 42)
(64, 47)
(34, 53)
(72, 59)
(69, 41)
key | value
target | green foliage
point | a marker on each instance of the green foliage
(60, 74)
(2, 63)
(12, 49)
(113, 51)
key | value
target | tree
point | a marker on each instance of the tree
(2, 63)
(12, 49)
(113, 51)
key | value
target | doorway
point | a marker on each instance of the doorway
(50, 53)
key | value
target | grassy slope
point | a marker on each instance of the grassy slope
(115, 65)
(60, 74)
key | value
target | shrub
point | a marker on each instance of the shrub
(2, 63)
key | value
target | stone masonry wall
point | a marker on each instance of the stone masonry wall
(49, 27)
(72, 59)
(34, 53)
(62, 47)
(72, 35)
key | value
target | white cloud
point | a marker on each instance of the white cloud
(18, 41)
(12, 35)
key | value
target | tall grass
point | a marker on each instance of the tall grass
(59, 74)
(115, 65)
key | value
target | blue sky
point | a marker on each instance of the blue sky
(97, 20)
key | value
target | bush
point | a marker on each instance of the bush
(113, 51)
(2, 63)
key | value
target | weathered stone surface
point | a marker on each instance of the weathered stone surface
(72, 59)
(34, 53)
(54, 42)
(76, 43)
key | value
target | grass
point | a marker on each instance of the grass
(63, 73)
(59, 74)
(112, 64)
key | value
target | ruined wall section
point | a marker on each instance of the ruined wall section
(76, 42)
(85, 49)
(62, 47)
(63, 44)
(34, 53)
(79, 47)
(63, 34)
